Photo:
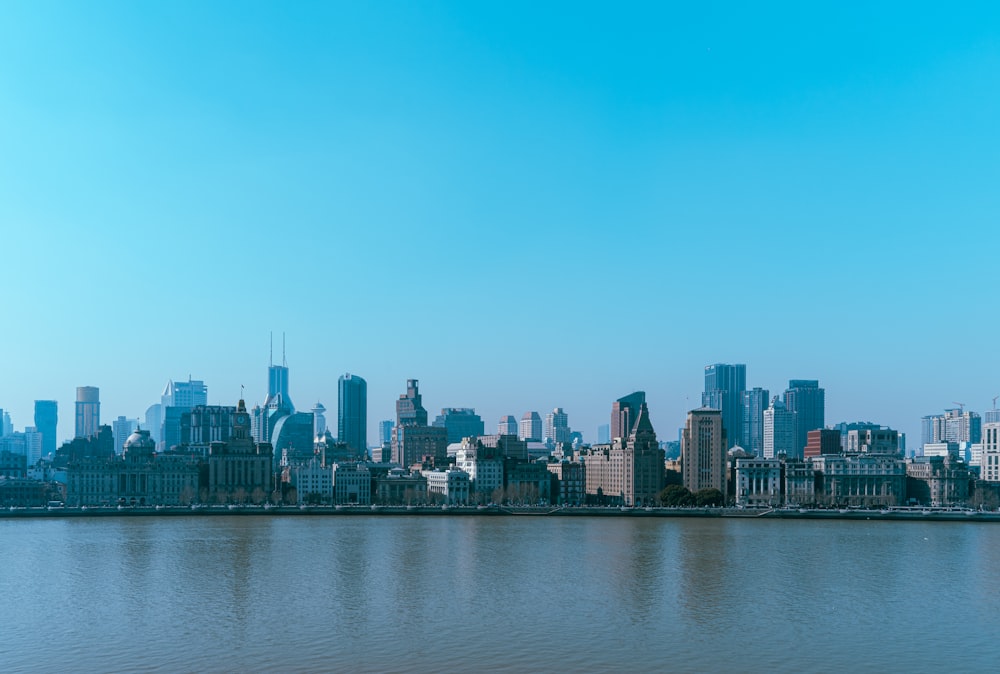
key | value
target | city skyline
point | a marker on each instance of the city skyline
(911, 427)
(833, 157)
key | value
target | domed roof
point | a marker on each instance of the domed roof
(139, 441)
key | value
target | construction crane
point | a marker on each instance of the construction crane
(961, 407)
(995, 401)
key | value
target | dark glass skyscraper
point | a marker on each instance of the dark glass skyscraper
(808, 401)
(352, 412)
(46, 421)
(724, 388)
(623, 414)
(460, 422)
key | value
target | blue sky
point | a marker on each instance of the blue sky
(524, 206)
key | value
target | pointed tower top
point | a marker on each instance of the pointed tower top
(642, 422)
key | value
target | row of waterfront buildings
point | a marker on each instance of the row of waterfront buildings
(192, 452)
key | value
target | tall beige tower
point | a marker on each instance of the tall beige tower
(88, 411)
(703, 450)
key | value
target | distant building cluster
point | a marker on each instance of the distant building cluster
(741, 448)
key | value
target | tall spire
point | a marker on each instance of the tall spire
(271, 358)
(284, 363)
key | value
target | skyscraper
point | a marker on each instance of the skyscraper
(385, 431)
(754, 404)
(507, 425)
(703, 451)
(604, 434)
(32, 445)
(530, 429)
(319, 420)
(460, 422)
(47, 421)
(352, 412)
(643, 469)
(177, 399)
(412, 438)
(154, 422)
(623, 412)
(556, 429)
(122, 428)
(779, 432)
(724, 388)
(277, 383)
(807, 400)
(88, 411)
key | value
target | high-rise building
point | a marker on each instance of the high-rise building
(989, 464)
(32, 445)
(629, 471)
(47, 421)
(122, 428)
(703, 451)
(88, 411)
(991, 416)
(779, 432)
(725, 385)
(154, 422)
(755, 402)
(530, 429)
(460, 422)
(352, 412)
(240, 469)
(206, 424)
(3, 431)
(623, 412)
(643, 473)
(604, 434)
(412, 438)
(277, 382)
(557, 430)
(507, 425)
(955, 425)
(319, 420)
(177, 399)
(184, 394)
(822, 441)
(807, 400)
(410, 408)
(385, 431)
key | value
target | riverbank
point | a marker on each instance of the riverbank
(893, 514)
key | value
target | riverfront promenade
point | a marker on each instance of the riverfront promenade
(892, 514)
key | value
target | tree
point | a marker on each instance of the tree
(676, 495)
(709, 497)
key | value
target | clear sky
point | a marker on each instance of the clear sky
(523, 205)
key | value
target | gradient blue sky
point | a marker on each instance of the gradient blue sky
(524, 205)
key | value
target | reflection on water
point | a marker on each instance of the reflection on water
(496, 594)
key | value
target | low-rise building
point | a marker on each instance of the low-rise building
(800, 483)
(451, 486)
(139, 476)
(861, 479)
(399, 487)
(570, 488)
(528, 483)
(938, 481)
(484, 467)
(312, 481)
(352, 484)
(758, 482)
